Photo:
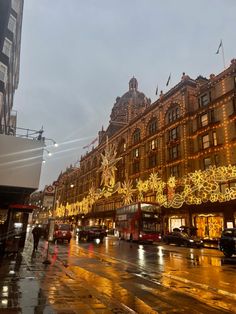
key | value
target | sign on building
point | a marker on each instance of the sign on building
(48, 201)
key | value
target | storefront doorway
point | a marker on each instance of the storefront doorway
(176, 222)
(209, 226)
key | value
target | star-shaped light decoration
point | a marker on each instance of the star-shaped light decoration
(108, 167)
(93, 196)
(142, 187)
(153, 181)
(127, 190)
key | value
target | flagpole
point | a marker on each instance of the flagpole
(223, 54)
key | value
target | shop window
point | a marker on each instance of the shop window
(214, 138)
(152, 145)
(152, 161)
(204, 119)
(173, 134)
(135, 167)
(136, 136)
(205, 141)
(212, 116)
(174, 171)
(217, 160)
(209, 227)
(121, 147)
(3, 73)
(7, 47)
(173, 114)
(204, 100)
(135, 153)
(206, 163)
(12, 24)
(176, 223)
(15, 5)
(174, 152)
(152, 127)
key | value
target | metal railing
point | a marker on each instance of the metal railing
(22, 132)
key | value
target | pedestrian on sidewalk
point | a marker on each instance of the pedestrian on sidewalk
(131, 239)
(37, 232)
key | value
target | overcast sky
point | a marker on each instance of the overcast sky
(77, 56)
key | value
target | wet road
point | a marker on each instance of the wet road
(151, 278)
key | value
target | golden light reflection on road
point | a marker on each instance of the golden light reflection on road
(113, 269)
(160, 255)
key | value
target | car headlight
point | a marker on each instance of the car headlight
(140, 235)
(191, 240)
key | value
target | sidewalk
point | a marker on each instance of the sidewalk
(19, 286)
(28, 286)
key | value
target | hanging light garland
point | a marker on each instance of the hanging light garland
(196, 188)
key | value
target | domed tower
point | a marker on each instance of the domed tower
(131, 104)
(133, 84)
(126, 108)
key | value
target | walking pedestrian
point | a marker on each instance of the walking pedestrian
(37, 232)
(131, 239)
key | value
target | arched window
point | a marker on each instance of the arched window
(136, 136)
(173, 113)
(121, 147)
(152, 126)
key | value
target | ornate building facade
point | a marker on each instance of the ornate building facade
(178, 152)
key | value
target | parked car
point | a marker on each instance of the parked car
(227, 242)
(62, 232)
(90, 233)
(182, 238)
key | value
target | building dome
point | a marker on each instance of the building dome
(131, 104)
(133, 84)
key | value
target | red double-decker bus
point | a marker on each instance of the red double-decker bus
(139, 222)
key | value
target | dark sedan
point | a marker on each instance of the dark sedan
(181, 238)
(90, 233)
(227, 243)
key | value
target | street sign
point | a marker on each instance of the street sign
(48, 201)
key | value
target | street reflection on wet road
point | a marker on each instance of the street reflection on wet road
(144, 274)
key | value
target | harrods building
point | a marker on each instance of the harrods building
(189, 129)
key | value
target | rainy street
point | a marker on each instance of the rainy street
(148, 278)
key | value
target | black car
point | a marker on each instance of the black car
(227, 243)
(90, 233)
(182, 238)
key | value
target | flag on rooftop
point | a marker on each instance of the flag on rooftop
(220, 45)
(168, 81)
(157, 90)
